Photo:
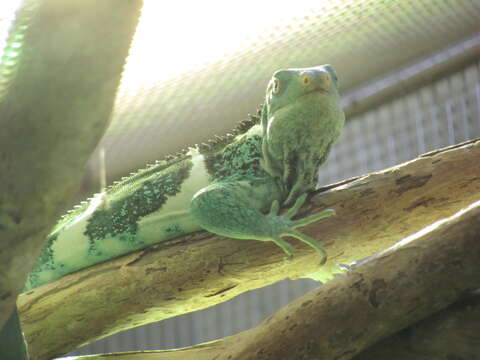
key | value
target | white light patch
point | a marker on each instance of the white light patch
(197, 179)
(71, 246)
(175, 37)
(7, 15)
(97, 201)
(432, 227)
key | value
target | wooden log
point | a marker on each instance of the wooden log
(412, 280)
(200, 270)
(451, 333)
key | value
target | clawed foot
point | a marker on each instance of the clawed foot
(290, 226)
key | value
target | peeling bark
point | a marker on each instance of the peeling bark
(200, 270)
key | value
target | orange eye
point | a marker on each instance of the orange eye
(305, 79)
(276, 86)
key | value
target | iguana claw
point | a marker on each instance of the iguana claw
(291, 225)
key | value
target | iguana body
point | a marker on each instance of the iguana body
(226, 187)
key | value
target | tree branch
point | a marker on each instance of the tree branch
(406, 283)
(412, 280)
(200, 270)
(453, 333)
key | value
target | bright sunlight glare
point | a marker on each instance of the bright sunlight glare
(177, 37)
(7, 14)
(411, 238)
(180, 36)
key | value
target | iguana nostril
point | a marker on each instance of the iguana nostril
(325, 77)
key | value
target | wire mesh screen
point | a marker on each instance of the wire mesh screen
(443, 113)
(157, 113)
(439, 114)
(172, 97)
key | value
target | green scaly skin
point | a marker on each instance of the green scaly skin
(231, 187)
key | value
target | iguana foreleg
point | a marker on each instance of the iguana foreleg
(223, 210)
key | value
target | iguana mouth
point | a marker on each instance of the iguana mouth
(315, 90)
(319, 89)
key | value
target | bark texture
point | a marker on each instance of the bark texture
(408, 282)
(453, 333)
(396, 288)
(59, 75)
(200, 270)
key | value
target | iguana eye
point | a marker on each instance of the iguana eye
(276, 86)
(305, 79)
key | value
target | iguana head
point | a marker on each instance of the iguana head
(301, 119)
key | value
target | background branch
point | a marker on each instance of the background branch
(451, 333)
(194, 272)
(392, 290)
(55, 104)
(398, 287)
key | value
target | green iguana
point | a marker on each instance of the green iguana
(232, 186)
